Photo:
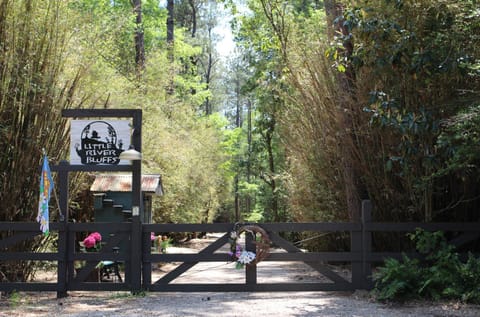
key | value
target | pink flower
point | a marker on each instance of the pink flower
(89, 242)
(97, 236)
(152, 236)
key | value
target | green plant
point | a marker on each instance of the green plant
(441, 260)
(164, 244)
(398, 279)
(14, 299)
(160, 243)
(441, 274)
(469, 279)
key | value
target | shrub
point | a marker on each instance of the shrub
(441, 274)
(397, 279)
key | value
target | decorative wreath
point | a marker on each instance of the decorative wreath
(260, 239)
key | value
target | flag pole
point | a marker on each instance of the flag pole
(60, 214)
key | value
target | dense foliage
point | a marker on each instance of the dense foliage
(372, 104)
(34, 87)
(416, 70)
(441, 276)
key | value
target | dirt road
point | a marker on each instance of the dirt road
(275, 304)
(326, 304)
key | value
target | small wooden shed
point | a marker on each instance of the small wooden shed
(113, 196)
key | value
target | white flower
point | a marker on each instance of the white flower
(233, 235)
(246, 257)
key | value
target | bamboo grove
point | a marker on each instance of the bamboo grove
(321, 104)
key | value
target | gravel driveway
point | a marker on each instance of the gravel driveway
(275, 304)
(326, 304)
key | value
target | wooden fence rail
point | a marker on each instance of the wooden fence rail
(136, 263)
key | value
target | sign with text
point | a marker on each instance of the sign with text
(98, 142)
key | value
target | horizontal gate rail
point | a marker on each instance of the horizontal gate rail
(412, 226)
(125, 236)
(277, 227)
(276, 257)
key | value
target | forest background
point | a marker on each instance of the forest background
(320, 105)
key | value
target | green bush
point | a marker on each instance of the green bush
(398, 279)
(441, 275)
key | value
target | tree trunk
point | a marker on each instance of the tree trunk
(170, 21)
(139, 40)
(270, 178)
(248, 201)
(170, 43)
(237, 200)
(194, 17)
(208, 73)
(273, 183)
(238, 124)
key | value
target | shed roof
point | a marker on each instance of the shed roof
(123, 183)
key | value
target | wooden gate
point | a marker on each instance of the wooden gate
(129, 248)
(66, 255)
(282, 251)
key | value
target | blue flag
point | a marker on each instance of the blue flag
(46, 186)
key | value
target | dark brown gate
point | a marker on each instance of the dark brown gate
(282, 251)
(136, 259)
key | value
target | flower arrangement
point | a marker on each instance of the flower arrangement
(92, 242)
(244, 257)
(239, 255)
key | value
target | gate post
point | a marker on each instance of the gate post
(356, 249)
(136, 242)
(250, 270)
(136, 256)
(361, 243)
(366, 244)
(63, 234)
